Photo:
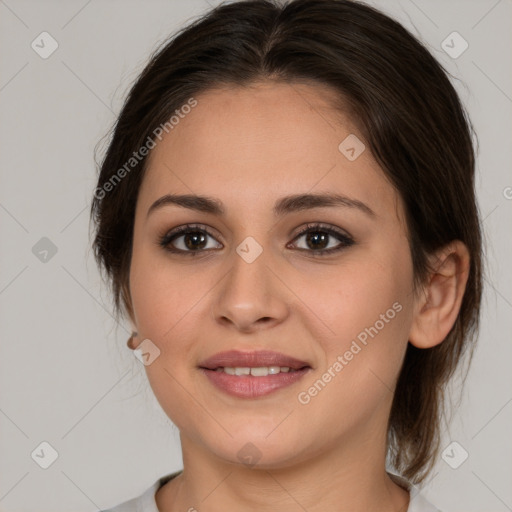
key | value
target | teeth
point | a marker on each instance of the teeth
(261, 371)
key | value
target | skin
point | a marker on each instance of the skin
(248, 147)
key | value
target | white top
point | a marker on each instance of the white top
(146, 501)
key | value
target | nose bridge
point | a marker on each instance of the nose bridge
(249, 270)
(250, 294)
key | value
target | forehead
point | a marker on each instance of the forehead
(254, 144)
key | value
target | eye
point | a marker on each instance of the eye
(191, 240)
(188, 239)
(318, 239)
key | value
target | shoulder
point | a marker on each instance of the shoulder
(417, 502)
(146, 501)
(140, 503)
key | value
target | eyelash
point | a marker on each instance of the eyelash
(345, 240)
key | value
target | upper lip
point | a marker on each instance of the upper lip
(255, 359)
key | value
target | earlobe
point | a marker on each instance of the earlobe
(438, 304)
(132, 343)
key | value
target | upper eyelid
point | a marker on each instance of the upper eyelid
(181, 230)
(322, 225)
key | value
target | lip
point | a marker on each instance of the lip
(254, 359)
(251, 387)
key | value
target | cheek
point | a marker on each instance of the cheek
(161, 292)
(352, 296)
(165, 306)
(370, 315)
(367, 298)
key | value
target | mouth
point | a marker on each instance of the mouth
(253, 374)
(258, 371)
(256, 363)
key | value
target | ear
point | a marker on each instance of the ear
(438, 303)
(127, 302)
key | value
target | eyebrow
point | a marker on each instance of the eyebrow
(283, 206)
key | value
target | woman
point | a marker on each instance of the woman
(286, 213)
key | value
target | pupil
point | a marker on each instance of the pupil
(195, 237)
(315, 238)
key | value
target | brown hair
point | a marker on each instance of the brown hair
(409, 115)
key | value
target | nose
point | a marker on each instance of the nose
(250, 297)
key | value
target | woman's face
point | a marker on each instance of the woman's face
(253, 284)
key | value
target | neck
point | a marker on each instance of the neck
(349, 476)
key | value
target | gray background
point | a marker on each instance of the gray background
(66, 376)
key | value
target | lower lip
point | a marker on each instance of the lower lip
(248, 386)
